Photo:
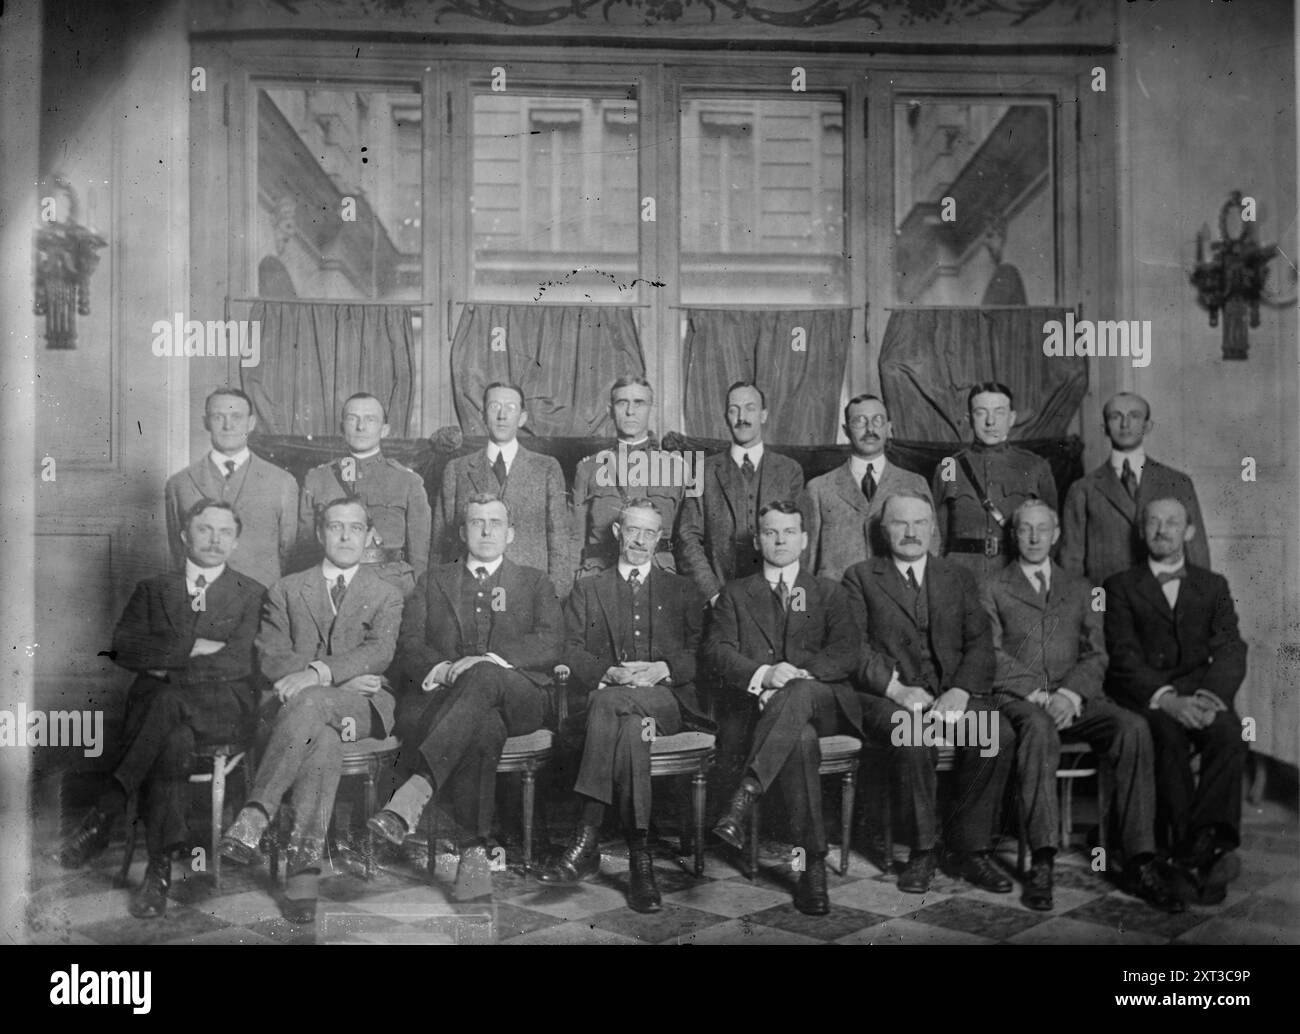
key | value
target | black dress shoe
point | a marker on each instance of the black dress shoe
(389, 825)
(978, 868)
(1038, 887)
(150, 899)
(299, 910)
(642, 892)
(810, 894)
(578, 861)
(731, 827)
(1162, 885)
(917, 873)
(1215, 876)
(89, 840)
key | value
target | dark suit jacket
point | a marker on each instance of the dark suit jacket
(267, 505)
(843, 528)
(158, 627)
(706, 526)
(960, 640)
(1101, 532)
(526, 631)
(1194, 646)
(539, 511)
(820, 636)
(299, 626)
(593, 632)
(1045, 644)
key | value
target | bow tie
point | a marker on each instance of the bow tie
(1171, 576)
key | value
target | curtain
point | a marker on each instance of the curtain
(931, 358)
(314, 356)
(564, 357)
(797, 356)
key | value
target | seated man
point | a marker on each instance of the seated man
(189, 638)
(1177, 659)
(479, 641)
(631, 633)
(327, 637)
(928, 649)
(1051, 659)
(785, 640)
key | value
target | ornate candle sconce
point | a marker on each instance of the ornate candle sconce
(1234, 278)
(65, 260)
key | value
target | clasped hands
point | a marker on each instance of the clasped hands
(951, 703)
(636, 673)
(1056, 704)
(776, 677)
(1193, 712)
(289, 686)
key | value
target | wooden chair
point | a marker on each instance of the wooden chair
(220, 760)
(839, 757)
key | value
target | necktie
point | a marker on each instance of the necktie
(1129, 480)
(499, 469)
(869, 484)
(1164, 577)
(783, 593)
(912, 583)
(230, 469)
(634, 581)
(336, 592)
(747, 468)
(198, 598)
(481, 573)
(199, 583)
(1042, 583)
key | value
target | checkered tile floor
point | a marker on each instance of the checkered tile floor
(401, 905)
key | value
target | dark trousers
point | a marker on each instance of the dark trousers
(785, 750)
(305, 755)
(1118, 734)
(622, 724)
(164, 722)
(460, 731)
(914, 782)
(1183, 806)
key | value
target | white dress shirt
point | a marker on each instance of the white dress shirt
(507, 452)
(774, 576)
(330, 572)
(220, 459)
(858, 468)
(192, 572)
(918, 566)
(1032, 571)
(755, 452)
(438, 673)
(1137, 459)
(625, 570)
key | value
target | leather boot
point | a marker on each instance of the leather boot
(150, 899)
(810, 894)
(731, 827)
(89, 840)
(578, 861)
(642, 892)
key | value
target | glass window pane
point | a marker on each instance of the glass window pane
(762, 188)
(338, 193)
(974, 202)
(555, 211)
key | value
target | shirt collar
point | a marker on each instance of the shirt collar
(1157, 566)
(1029, 570)
(193, 570)
(788, 574)
(471, 563)
(367, 455)
(858, 466)
(755, 454)
(1137, 459)
(903, 565)
(219, 459)
(506, 451)
(625, 569)
(636, 444)
(331, 573)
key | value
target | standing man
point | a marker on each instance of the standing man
(976, 490)
(264, 496)
(1102, 530)
(928, 648)
(393, 494)
(189, 639)
(531, 484)
(1177, 659)
(717, 538)
(631, 634)
(479, 641)
(1051, 660)
(327, 637)
(598, 499)
(784, 641)
(843, 505)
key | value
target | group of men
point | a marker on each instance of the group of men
(774, 611)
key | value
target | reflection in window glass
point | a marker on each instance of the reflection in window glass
(762, 188)
(554, 192)
(974, 203)
(317, 148)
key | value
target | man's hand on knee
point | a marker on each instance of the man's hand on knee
(289, 686)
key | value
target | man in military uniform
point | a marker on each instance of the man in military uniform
(976, 490)
(393, 494)
(605, 482)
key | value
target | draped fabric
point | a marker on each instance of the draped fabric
(316, 355)
(564, 357)
(797, 356)
(931, 358)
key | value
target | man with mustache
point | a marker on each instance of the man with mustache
(976, 489)
(717, 536)
(1177, 659)
(843, 506)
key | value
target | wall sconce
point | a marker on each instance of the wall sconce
(1234, 277)
(65, 260)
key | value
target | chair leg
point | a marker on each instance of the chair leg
(849, 787)
(1067, 812)
(369, 841)
(753, 842)
(1021, 845)
(1105, 792)
(431, 839)
(530, 797)
(218, 807)
(132, 807)
(887, 817)
(698, 784)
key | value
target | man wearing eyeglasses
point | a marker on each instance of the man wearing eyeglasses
(479, 640)
(530, 484)
(393, 494)
(843, 506)
(328, 634)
